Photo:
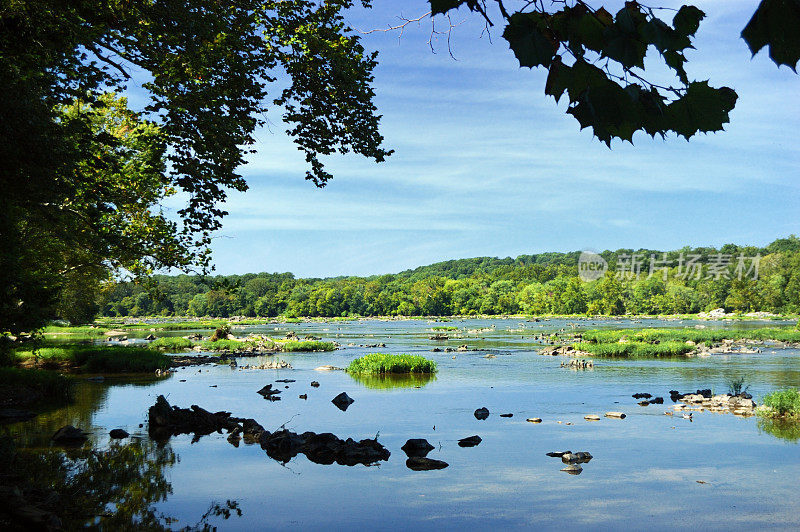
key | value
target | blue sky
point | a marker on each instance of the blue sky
(485, 164)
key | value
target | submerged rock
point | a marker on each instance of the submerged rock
(69, 435)
(481, 413)
(417, 447)
(418, 463)
(471, 441)
(342, 401)
(267, 392)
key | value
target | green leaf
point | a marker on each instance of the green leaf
(526, 37)
(623, 42)
(776, 23)
(558, 79)
(687, 20)
(701, 109)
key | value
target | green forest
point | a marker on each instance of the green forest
(546, 283)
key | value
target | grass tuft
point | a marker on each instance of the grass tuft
(782, 404)
(381, 363)
(308, 345)
(112, 359)
(635, 349)
(171, 342)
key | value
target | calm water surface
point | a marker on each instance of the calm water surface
(644, 474)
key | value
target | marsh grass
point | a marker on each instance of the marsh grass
(383, 363)
(82, 331)
(307, 345)
(171, 342)
(448, 328)
(227, 345)
(635, 349)
(112, 359)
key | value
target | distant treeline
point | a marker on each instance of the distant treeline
(683, 281)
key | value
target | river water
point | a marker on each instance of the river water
(650, 470)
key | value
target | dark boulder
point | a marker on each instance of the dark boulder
(118, 434)
(417, 447)
(314, 384)
(267, 392)
(166, 421)
(481, 413)
(506, 415)
(472, 441)
(342, 401)
(325, 448)
(641, 396)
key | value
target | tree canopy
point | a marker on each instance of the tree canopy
(596, 60)
(83, 175)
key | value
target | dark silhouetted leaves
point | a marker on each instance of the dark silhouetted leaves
(530, 40)
(687, 20)
(443, 6)
(776, 23)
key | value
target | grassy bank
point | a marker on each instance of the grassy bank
(171, 342)
(112, 359)
(383, 363)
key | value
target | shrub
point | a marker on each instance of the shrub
(221, 333)
(736, 386)
(782, 403)
(379, 363)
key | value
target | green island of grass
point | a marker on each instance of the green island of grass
(383, 363)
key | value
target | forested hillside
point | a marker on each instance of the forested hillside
(687, 280)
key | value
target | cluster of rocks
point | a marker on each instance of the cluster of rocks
(562, 350)
(462, 348)
(578, 363)
(740, 405)
(649, 399)
(572, 460)
(282, 445)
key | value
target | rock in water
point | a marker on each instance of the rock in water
(558, 454)
(506, 415)
(618, 415)
(534, 420)
(472, 441)
(418, 447)
(69, 435)
(418, 463)
(342, 401)
(482, 413)
(591, 417)
(118, 434)
(314, 384)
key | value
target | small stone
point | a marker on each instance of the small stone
(534, 420)
(303, 396)
(118, 434)
(591, 417)
(314, 384)
(506, 415)
(618, 415)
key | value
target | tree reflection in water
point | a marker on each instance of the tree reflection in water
(785, 429)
